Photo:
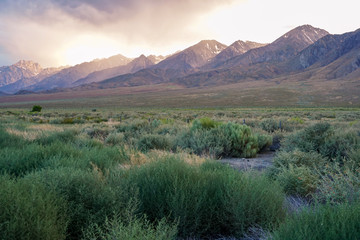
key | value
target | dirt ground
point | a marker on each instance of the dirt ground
(260, 162)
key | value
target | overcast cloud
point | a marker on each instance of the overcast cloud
(41, 29)
(60, 32)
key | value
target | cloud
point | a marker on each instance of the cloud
(40, 29)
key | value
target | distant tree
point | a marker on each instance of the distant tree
(36, 108)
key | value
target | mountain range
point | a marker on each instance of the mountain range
(302, 54)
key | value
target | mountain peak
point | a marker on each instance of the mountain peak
(211, 45)
(237, 48)
(194, 56)
(31, 66)
(305, 34)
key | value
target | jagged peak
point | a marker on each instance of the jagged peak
(306, 34)
(142, 56)
(303, 29)
(23, 63)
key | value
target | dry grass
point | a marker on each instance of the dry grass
(34, 132)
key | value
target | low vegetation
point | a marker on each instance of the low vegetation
(134, 174)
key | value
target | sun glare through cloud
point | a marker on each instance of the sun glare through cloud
(89, 47)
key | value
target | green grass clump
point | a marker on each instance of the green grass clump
(269, 125)
(205, 123)
(153, 141)
(300, 181)
(29, 211)
(309, 139)
(135, 229)
(339, 184)
(9, 140)
(128, 225)
(296, 172)
(224, 140)
(89, 199)
(207, 200)
(322, 222)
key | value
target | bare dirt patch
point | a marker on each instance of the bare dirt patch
(260, 162)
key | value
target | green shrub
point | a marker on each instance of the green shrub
(322, 222)
(21, 160)
(68, 120)
(115, 138)
(339, 146)
(264, 141)
(204, 123)
(225, 140)
(136, 229)
(9, 140)
(298, 158)
(127, 225)
(297, 180)
(309, 139)
(36, 108)
(323, 139)
(90, 200)
(269, 125)
(295, 171)
(152, 141)
(62, 137)
(209, 200)
(338, 185)
(97, 133)
(29, 211)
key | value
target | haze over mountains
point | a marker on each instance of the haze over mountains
(301, 54)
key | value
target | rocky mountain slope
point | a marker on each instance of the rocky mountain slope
(192, 57)
(304, 53)
(257, 63)
(237, 48)
(283, 48)
(25, 82)
(20, 70)
(135, 65)
(330, 57)
(66, 77)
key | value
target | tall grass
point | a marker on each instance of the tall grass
(29, 211)
(322, 222)
(222, 140)
(89, 199)
(209, 200)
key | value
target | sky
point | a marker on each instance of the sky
(68, 32)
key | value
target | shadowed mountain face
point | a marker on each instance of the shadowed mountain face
(133, 66)
(235, 49)
(192, 57)
(281, 49)
(66, 77)
(330, 57)
(328, 50)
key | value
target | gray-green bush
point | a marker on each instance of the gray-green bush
(89, 199)
(322, 222)
(29, 211)
(206, 200)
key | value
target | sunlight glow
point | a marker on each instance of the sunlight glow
(88, 47)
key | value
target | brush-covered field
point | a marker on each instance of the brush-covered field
(157, 173)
